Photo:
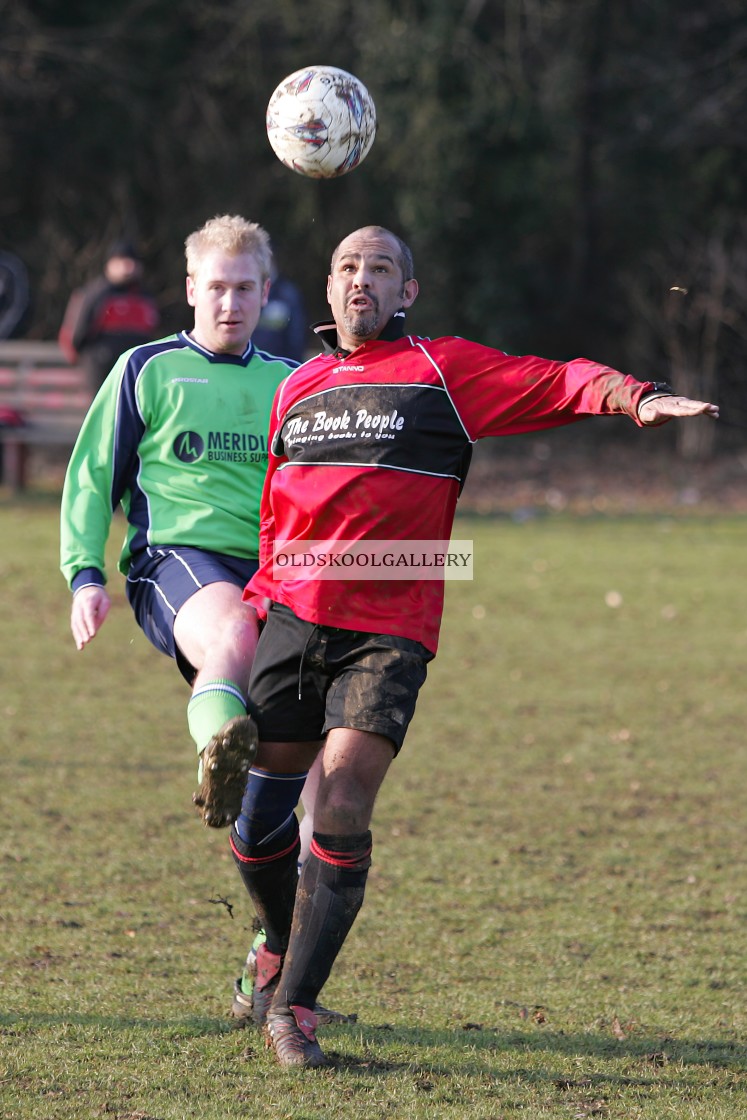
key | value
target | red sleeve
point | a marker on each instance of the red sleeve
(498, 394)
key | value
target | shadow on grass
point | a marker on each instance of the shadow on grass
(26, 1022)
(653, 1050)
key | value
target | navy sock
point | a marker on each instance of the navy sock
(270, 874)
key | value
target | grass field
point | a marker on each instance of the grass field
(555, 919)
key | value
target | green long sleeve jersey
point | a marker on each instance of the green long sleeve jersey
(178, 436)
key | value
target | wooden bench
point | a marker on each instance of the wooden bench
(50, 396)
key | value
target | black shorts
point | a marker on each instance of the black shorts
(160, 581)
(307, 679)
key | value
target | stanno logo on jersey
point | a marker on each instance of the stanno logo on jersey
(188, 447)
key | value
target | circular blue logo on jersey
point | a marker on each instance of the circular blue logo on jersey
(188, 447)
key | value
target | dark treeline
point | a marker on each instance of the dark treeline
(559, 166)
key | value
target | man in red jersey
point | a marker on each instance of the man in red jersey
(370, 443)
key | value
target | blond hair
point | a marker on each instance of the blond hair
(231, 234)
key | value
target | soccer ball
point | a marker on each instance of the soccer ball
(321, 122)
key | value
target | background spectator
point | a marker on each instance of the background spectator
(283, 328)
(109, 315)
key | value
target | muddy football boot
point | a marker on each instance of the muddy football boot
(291, 1033)
(224, 765)
(244, 1008)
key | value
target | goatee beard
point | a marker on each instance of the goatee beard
(362, 326)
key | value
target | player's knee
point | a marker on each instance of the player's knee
(239, 629)
(344, 806)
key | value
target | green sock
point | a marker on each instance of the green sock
(213, 703)
(250, 968)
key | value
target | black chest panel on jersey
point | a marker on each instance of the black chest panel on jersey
(403, 427)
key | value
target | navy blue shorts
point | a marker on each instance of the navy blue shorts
(307, 679)
(160, 581)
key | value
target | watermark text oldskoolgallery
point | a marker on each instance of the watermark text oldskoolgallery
(375, 560)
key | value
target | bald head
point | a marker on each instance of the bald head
(400, 251)
(370, 280)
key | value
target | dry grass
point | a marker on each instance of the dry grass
(555, 920)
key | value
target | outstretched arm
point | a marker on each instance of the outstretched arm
(659, 409)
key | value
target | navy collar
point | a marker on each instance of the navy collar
(228, 359)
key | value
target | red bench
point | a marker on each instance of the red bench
(50, 397)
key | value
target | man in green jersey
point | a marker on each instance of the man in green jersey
(177, 437)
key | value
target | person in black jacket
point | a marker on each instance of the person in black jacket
(282, 326)
(109, 315)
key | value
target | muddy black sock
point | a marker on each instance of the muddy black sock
(330, 893)
(270, 874)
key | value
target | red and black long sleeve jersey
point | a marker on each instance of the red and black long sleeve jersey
(373, 445)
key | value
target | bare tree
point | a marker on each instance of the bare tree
(692, 297)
